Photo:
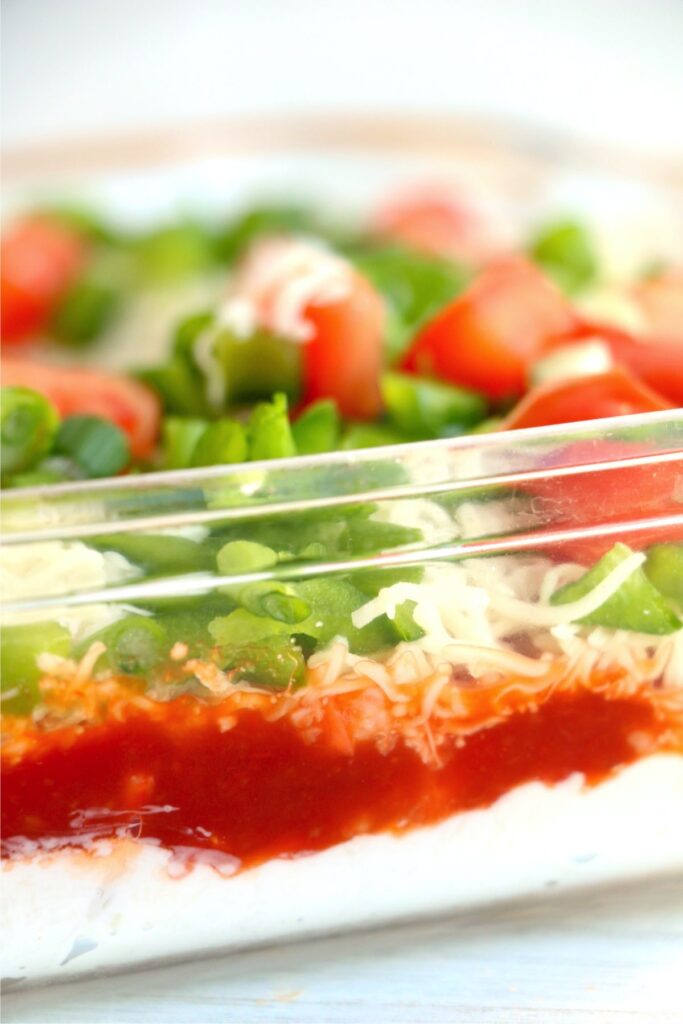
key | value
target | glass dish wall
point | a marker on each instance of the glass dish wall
(284, 698)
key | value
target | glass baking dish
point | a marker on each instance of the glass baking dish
(261, 702)
(293, 697)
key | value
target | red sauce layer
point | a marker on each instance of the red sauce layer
(258, 790)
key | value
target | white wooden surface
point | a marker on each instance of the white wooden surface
(613, 957)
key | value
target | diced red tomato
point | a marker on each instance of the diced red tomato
(343, 359)
(114, 397)
(40, 259)
(437, 222)
(616, 393)
(661, 299)
(488, 337)
(659, 364)
(629, 491)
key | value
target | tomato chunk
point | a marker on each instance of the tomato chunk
(437, 222)
(659, 364)
(40, 259)
(114, 397)
(343, 359)
(487, 338)
(616, 393)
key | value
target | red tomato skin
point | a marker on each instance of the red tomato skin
(616, 393)
(123, 400)
(40, 259)
(659, 364)
(487, 337)
(434, 221)
(343, 360)
(627, 492)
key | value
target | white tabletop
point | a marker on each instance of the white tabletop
(610, 957)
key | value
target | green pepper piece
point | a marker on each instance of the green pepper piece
(565, 251)
(28, 427)
(430, 408)
(169, 254)
(404, 621)
(243, 627)
(244, 556)
(179, 436)
(85, 311)
(318, 428)
(224, 441)
(333, 601)
(275, 662)
(664, 569)
(373, 435)
(270, 433)
(257, 367)
(637, 605)
(20, 647)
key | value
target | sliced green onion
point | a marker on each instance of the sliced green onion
(274, 600)
(318, 429)
(84, 312)
(179, 436)
(244, 556)
(580, 360)
(97, 445)
(224, 441)
(134, 645)
(270, 433)
(430, 408)
(20, 647)
(565, 250)
(28, 424)
(158, 554)
(373, 435)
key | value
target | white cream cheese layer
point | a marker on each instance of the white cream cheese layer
(70, 912)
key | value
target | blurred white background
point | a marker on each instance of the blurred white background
(604, 70)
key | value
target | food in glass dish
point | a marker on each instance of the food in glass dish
(260, 695)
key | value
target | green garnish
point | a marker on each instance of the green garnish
(318, 429)
(224, 441)
(664, 569)
(430, 408)
(28, 424)
(565, 251)
(270, 432)
(97, 446)
(84, 312)
(637, 605)
(20, 647)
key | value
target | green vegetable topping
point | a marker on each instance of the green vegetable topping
(84, 312)
(565, 251)
(20, 647)
(159, 554)
(664, 569)
(430, 408)
(135, 645)
(275, 662)
(270, 433)
(637, 605)
(172, 253)
(179, 436)
(28, 424)
(224, 441)
(243, 556)
(318, 429)
(98, 446)
(404, 621)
